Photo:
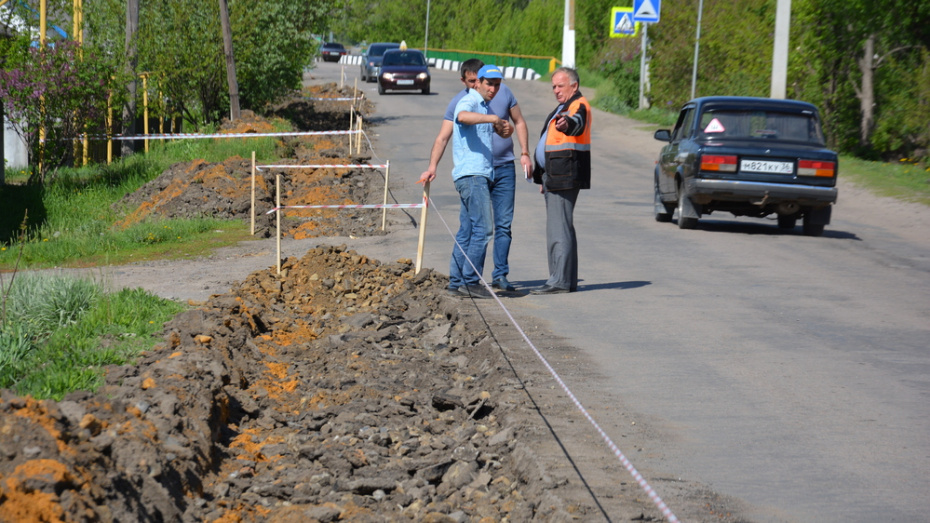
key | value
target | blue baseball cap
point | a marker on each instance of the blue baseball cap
(490, 71)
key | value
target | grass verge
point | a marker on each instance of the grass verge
(58, 333)
(69, 220)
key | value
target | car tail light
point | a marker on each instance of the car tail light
(816, 168)
(716, 162)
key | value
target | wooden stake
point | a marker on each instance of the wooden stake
(422, 242)
(277, 190)
(387, 176)
(253, 193)
(351, 121)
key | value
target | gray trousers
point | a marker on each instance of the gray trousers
(560, 237)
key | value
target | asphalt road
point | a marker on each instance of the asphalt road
(787, 372)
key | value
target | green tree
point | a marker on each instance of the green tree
(274, 43)
(56, 90)
(180, 44)
(864, 55)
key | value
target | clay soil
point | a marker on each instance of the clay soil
(343, 389)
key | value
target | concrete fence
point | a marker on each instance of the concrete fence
(516, 73)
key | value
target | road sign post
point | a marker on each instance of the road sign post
(646, 12)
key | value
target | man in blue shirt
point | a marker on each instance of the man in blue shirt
(502, 187)
(472, 173)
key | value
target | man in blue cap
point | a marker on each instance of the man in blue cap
(472, 173)
(503, 184)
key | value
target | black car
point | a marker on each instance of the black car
(332, 51)
(404, 69)
(749, 157)
(371, 60)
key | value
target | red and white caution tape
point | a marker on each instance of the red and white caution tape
(318, 166)
(372, 206)
(215, 135)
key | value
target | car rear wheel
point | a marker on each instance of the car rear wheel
(787, 221)
(663, 211)
(812, 229)
(684, 206)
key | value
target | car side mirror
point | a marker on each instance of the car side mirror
(663, 135)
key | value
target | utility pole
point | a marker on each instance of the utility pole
(230, 62)
(568, 35)
(780, 53)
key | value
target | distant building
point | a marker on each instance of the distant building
(14, 150)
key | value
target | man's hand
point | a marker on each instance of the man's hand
(503, 129)
(427, 176)
(527, 166)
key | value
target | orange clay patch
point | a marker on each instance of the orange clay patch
(36, 412)
(252, 451)
(275, 386)
(248, 127)
(22, 503)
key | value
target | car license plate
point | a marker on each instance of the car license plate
(405, 82)
(760, 166)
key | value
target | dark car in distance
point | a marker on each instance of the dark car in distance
(747, 156)
(332, 51)
(371, 60)
(404, 70)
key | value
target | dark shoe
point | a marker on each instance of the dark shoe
(503, 284)
(453, 291)
(475, 291)
(546, 289)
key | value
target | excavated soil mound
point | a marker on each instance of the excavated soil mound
(224, 190)
(342, 389)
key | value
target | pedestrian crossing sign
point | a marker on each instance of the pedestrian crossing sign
(622, 23)
(646, 11)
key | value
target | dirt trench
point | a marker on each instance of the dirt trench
(343, 389)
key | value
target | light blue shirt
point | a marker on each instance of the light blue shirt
(471, 144)
(541, 144)
(499, 105)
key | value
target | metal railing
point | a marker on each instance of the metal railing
(541, 64)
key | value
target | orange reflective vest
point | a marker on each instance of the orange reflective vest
(568, 154)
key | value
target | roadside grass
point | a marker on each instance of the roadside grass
(69, 220)
(59, 332)
(906, 180)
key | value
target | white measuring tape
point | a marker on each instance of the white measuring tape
(215, 135)
(318, 166)
(371, 206)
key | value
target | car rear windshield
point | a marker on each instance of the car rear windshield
(404, 58)
(379, 49)
(761, 125)
(332, 45)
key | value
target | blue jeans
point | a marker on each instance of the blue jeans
(502, 192)
(475, 230)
